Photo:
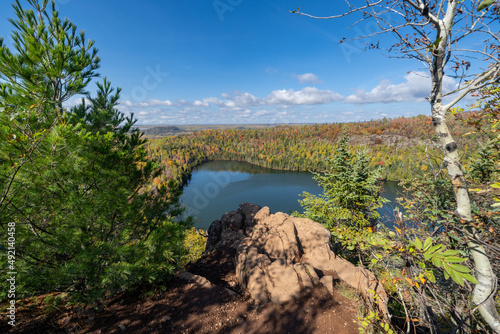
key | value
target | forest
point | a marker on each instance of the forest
(403, 146)
(89, 207)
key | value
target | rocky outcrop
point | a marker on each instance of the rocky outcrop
(278, 256)
(232, 227)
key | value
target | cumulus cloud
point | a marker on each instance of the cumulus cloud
(289, 105)
(283, 98)
(307, 78)
(305, 96)
(415, 89)
(147, 103)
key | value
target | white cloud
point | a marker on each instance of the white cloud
(305, 96)
(415, 89)
(161, 103)
(282, 98)
(147, 103)
(307, 78)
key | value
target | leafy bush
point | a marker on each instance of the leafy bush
(194, 242)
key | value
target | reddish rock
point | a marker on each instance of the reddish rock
(278, 256)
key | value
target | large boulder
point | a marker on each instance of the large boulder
(278, 255)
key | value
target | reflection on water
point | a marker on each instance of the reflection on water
(220, 186)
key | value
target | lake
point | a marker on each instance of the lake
(220, 186)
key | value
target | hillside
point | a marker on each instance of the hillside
(159, 131)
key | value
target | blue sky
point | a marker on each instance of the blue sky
(241, 61)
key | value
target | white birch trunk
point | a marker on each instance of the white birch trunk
(484, 291)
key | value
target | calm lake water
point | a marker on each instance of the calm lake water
(220, 186)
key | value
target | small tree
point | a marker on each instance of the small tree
(437, 34)
(483, 168)
(351, 194)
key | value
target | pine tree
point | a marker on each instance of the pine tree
(78, 184)
(351, 194)
(483, 168)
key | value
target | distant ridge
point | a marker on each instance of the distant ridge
(163, 131)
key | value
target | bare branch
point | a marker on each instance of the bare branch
(340, 15)
(477, 83)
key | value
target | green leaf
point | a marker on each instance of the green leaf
(434, 248)
(484, 4)
(470, 278)
(459, 268)
(457, 277)
(437, 262)
(427, 243)
(451, 252)
(418, 243)
(431, 252)
(454, 259)
(495, 185)
(431, 47)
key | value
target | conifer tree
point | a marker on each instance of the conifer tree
(78, 184)
(351, 194)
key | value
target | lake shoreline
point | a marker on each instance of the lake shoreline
(211, 186)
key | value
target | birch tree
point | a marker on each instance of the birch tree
(459, 38)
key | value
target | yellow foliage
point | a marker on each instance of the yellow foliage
(194, 243)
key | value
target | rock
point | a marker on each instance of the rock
(327, 282)
(248, 210)
(283, 283)
(241, 222)
(232, 220)
(252, 274)
(307, 276)
(282, 243)
(214, 233)
(233, 294)
(201, 281)
(230, 238)
(319, 258)
(278, 255)
(274, 220)
(262, 214)
(312, 234)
